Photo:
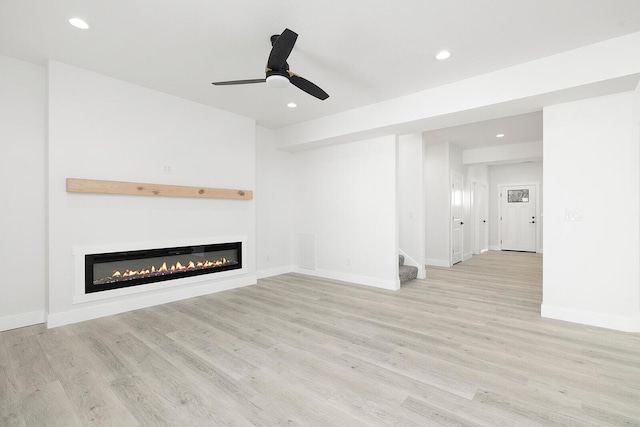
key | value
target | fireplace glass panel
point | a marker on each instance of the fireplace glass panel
(122, 269)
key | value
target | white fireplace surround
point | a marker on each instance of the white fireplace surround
(79, 253)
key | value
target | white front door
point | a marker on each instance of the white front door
(518, 218)
(456, 218)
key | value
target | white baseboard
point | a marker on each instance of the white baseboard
(466, 257)
(145, 300)
(263, 274)
(422, 273)
(602, 320)
(392, 285)
(437, 262)
(21, 320)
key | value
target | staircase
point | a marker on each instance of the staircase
(407, 272)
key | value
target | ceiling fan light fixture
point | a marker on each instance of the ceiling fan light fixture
(277, 81)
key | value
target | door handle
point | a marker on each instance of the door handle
(461, 223)
(532, 222)
(484, 220)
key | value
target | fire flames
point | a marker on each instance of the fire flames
(164, 269)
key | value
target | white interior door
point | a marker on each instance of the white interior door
(518, 218)
(456, 218)
(483, 215)
(480, 208)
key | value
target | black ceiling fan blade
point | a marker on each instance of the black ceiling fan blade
(281, 49)
(239, 82)
(305, 85)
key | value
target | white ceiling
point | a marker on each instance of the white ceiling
(516, 129)
(360, 51)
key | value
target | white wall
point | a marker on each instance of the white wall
(511, 153)
(103, 128)
(274, 206)
(22, 191)
(345, 198)
(517, 173)
(478, 173)
(437, 178)
(591, 169)
(411, 200)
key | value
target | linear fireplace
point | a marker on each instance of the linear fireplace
(114, 270)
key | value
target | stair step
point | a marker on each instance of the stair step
(407, 273)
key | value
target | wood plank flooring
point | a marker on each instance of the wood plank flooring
(464, 347)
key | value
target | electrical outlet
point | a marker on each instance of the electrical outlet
(167, 169)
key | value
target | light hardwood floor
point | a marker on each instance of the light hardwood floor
(466, 346)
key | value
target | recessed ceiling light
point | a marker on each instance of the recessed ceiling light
(292, 105)
(79, 23)
(443, 54)
(500, 135)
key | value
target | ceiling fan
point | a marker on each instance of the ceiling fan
(277, 70)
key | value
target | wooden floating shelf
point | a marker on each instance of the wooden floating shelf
(75, 185)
